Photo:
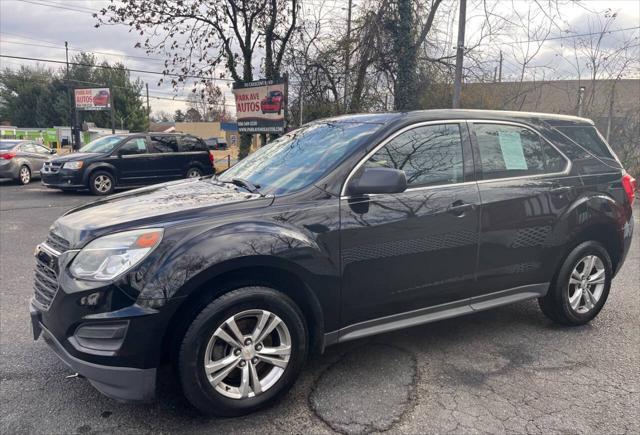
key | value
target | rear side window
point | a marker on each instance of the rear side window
(164, 144)
(190, 143)
(133, 146)
(511, 151)
(429, 155)
(588, 138)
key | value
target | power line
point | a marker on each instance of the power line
(110, 67)
(59, 6)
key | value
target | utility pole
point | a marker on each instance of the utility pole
(610, 116)
(457, 83)
(148, 107)
(347, 53)
(113, 110)
(301, 97)
(580, 99)
(500, 68)
(71, 117)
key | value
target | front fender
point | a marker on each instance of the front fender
(98, 165)
(210, 253)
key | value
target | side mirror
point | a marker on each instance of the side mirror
(378, 180)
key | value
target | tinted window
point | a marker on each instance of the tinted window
(510, 151)
(190, 143)
(588, 138)
(164, 144)
(428, 155)
(133, 146)
(300, 157)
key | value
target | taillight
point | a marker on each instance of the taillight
(630, 185)
(212, 159)
(7, 156)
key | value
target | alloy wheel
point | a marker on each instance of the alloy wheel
(586, 284)
(193, 173)
(25, 175)
(247, 354)
(102, 183)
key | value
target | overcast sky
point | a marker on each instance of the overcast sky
(38, 28)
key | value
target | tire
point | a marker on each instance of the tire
(220, 393)
(194, 172)
(24, 175)
(101, 183)
(567, 302)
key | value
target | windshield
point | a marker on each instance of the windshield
(301, 157)
(8, 144)
(104, 144)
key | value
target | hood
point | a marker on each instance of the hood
(154, 205)
(72, 157)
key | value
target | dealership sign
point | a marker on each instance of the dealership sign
(93, 99)
(261, 106)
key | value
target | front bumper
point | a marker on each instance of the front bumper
(64, 179)
(120, 383)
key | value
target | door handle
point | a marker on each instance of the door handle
(459, 208)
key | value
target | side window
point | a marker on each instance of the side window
(190, 143)
(588, 138)
(134, 146)
(27, 148)
(41, 150)
(164, 144)
(511, 151)
(429, 155)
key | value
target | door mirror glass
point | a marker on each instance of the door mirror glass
(378, 180)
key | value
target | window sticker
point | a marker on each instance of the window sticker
(140, 144)
(512, 152)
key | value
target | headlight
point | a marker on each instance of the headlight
(107, 257)
(72, 165)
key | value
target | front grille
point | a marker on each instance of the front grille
(56, 242)
(51, 167)
(45, 284)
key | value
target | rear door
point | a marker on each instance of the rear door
(405, 251)
(167, 162)
(28, 151)
(131, 161)
(524, 188)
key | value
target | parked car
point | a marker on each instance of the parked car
(342, 229)
(22, 159)
(215, 144)
(129, 160)
(101, 98)
(273, 102)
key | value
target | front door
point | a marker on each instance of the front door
(524, 190)
(416, 249)
(131, 160)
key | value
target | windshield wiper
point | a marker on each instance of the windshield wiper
(246, 184)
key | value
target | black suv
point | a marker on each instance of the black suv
(344, 228)
(129, 160)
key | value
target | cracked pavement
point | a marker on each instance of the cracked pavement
(501, 371)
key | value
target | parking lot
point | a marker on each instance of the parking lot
(506, 370)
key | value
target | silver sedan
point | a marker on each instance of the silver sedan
(22, 159)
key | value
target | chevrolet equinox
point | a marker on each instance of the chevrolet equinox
(344, 228)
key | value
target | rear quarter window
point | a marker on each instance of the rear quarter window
(588, 138)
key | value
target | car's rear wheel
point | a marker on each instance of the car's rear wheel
(101, 183)
(242, 352)
(24, 175)
(581, 286)
(194, 172)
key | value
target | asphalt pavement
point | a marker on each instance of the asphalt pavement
(505, 370)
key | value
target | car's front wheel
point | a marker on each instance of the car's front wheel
(242, 351)
(581, 286)
(101, 183)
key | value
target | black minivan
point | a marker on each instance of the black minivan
(129, 160)
(344, 228)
